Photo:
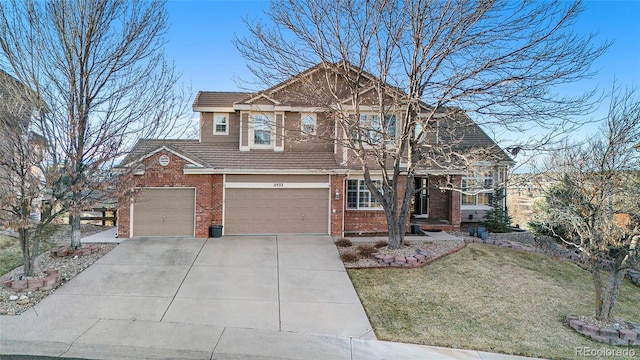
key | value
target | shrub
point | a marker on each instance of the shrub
(497, 219)
(349, 257)
(366, 250)
(343, 242)
(380, 243)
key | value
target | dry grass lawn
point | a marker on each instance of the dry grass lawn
(11, 252)
(487, 298)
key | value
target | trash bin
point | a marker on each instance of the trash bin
(215, 231)
(472, 231)
(415, 229)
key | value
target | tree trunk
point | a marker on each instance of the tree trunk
(75, 230)
(611, 294)
(396, 232)
(27, 263)
(597, 282)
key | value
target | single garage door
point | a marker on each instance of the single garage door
(277, 211)
(164, 212)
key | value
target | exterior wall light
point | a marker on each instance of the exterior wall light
(336, 195)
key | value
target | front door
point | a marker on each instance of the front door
(421, 201)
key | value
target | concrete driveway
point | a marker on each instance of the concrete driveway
(284, 283)
(268, 297)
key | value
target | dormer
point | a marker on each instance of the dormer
(261, 123)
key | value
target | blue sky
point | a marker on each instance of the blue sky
(201, 33)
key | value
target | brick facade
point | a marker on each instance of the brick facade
(369, 221)
(208, 192)
(210, 189)
(445, 204)
(337, 205)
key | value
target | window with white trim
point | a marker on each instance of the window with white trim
(308, 124)
(477, 189)
(372, 128)
(220, 124)
(430, 135)
(359, 196)
(261, 129)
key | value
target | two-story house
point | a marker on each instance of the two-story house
(260, 167)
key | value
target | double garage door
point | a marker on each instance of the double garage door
(247, 210)
(276, 211)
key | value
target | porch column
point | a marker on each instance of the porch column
(454, 203)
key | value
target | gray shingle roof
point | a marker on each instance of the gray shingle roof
(228, 156)
(218, 98)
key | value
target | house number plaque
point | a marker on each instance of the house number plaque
(164, 160)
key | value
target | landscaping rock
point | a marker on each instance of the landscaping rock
(13, 298)
(22, 302)
(628, 334)
(591, 330)
(19, 285)
(577, 324)
(607, 332)
(47, 260)
(6, 283)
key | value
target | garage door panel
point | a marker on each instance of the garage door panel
(267, 211)
(164, 212)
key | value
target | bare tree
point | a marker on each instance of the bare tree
(22, 174)
(593, 198)
(429, 63)
(99, 70)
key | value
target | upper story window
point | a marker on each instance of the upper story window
(430, 135)
(477, 188)
(308, 124)
(359, 196)
(373, 129)
(261, 129)
(220, 124)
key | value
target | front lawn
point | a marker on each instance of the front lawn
(487, 298)
(11, 252)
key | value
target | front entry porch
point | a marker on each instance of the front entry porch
(434, 208)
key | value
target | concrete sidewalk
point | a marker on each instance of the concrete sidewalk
(257, 297)
(122, 339)
(108, 236)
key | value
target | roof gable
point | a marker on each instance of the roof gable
(146, 148)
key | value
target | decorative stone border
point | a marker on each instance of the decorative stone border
(622, 337)
(411, 261)
(405, 261)
(64, 251)
(50, 282)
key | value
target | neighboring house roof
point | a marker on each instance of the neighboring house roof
(16, 105)
(227, 156)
